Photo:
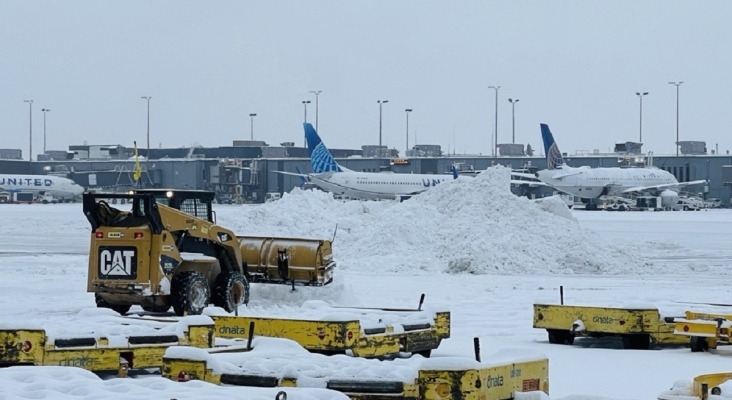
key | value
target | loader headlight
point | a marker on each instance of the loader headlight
(169, 194)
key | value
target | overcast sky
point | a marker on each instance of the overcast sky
(575, 65)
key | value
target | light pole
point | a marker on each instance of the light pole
(640, 122)
(316, 93)
(305, 104)
(407, 111)
(251, 127)
(147, 156)
(45, 110)
(677, 114)
(381, 104)
(495, 123)
(513, 119)
(30, 130)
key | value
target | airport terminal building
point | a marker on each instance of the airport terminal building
(247, 171)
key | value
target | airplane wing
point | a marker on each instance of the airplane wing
(524, 175)
(663, 186)
(567, 174)
(530, 183)
(292, 173)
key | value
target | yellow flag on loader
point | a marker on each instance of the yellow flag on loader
(138, 170)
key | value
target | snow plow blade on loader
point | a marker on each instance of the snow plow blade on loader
(136, 256)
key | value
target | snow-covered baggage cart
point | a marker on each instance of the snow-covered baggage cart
(270, 362)
(705, 330)
(364, 332)
(125, 347)
(639, 327)
(319, 327)
(703, 387)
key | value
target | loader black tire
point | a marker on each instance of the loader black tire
(190, 293)
(120, 308)
(230, 290)
(558, 336)
(637, 342)
(699, 344)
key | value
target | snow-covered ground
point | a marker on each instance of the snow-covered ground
(471, 248)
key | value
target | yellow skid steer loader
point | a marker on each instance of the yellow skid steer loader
(166, 250)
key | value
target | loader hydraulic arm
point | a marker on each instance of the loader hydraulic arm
(187, 227)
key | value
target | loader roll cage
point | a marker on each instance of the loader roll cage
(144, 207)
(144, 211)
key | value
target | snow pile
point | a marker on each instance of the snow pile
(468, 225)
(555, 205)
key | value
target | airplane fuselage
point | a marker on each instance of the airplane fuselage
(590, 183)
(373, 185)
(60, 188)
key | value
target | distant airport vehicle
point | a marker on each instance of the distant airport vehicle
(44, 188)
(272, 196)
(331, 177)
(713, 203)
(593, 184)
(690, 204)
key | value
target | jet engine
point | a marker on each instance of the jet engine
(669, 199)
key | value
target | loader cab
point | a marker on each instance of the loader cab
(193, 202)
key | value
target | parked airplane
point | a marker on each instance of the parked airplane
(62, 189)
(331, 177)
(591, 184)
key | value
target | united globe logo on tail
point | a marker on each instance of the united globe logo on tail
(553, 156)
(320, 158)
(322, 161)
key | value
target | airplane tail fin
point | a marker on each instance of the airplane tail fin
(553, 156)
(320, 158)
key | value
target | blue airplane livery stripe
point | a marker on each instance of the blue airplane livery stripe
(320, 158)
(322, 161)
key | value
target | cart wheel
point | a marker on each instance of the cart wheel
(424, 353)
(637, 342)
(699, 344)
(558, 336)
